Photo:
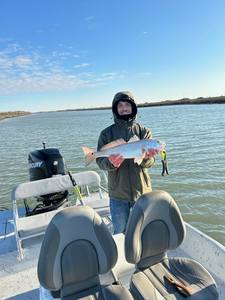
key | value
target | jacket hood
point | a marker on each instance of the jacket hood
(124, 96)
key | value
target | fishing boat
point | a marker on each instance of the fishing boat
(29, 242)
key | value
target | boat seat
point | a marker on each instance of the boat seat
(101, 206)
(81, 250)
(98, 201)
(35, 225)
(32, 226)
(156, 226)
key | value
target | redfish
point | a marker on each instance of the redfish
(134, 148)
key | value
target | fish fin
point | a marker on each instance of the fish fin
(113, 144)
(143, 153)
(88, 155)
(134, 139)
(138, 159)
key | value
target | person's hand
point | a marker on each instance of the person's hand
(151, 153)
(116, 159)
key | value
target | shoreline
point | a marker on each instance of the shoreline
(13, 114)
(184, 101)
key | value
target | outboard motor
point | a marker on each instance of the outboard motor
(46, 163)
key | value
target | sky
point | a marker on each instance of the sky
(68, 54)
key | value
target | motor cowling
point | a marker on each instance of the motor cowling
(46, 163)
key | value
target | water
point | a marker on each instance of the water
(195, 138)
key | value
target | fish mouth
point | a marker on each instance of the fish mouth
(161, 147)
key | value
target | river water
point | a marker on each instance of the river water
(195, 138)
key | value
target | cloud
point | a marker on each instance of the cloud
(108, 74)
(23, 62)
(45, 82)
(33, 71)
(82, 65)
(5, 63)
(89, 18)
(89, 23)
(11, 48)
(5, 40)
(145, 74)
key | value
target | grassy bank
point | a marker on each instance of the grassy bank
(184, 101)
(13, 114)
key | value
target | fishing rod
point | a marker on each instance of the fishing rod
(76, 188)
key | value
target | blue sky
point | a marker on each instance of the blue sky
(65, 54)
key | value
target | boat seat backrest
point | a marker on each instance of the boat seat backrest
(77, 247)
(154, 227)
(54, 184)
(35, 225)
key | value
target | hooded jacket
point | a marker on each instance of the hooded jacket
(129, 181)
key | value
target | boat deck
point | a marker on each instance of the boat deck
(19, 278)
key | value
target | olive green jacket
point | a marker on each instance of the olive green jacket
(130, 180)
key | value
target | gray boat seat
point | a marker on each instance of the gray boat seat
(154, 227)
(77, 247)
(35, 225)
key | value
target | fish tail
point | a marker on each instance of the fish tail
(88, 155)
